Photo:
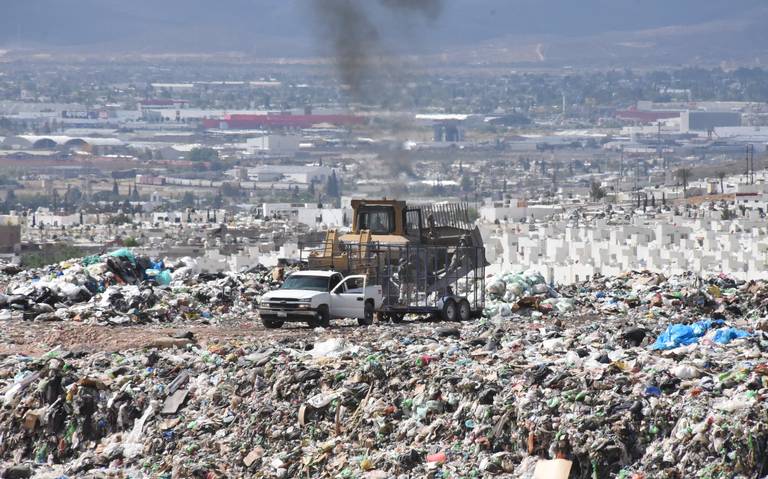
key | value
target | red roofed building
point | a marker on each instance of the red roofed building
(646, 116)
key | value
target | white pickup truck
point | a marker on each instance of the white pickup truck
(316, 297)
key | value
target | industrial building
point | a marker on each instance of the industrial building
(59, 141)
(274, 144)
(296, 174)
(284, 121)
(691, 121)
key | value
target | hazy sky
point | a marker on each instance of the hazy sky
(288, 26)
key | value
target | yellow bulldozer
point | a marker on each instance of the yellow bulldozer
(379, 225)
(428, 259)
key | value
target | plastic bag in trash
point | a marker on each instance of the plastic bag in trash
(91, 260)
(677, 335)
(726, 335)
(124, 253)
(164, 277)
(496, 288)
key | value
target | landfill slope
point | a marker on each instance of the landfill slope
(635, 376)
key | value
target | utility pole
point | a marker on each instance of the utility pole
(750, 172)
(564, 106)
(621, 164)
(637, 175)
(659, 149)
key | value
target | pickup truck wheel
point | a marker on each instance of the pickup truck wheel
(465, 310)
(368, 313)
(323, 318)
(272, 323)
(450, 311)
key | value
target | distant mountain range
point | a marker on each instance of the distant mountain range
(544, 32)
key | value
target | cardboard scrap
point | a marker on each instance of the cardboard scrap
(174, 401)
(31, 420)
(253, 456)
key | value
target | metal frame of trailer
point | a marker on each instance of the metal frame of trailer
(415, 279)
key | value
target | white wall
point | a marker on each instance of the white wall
(276, 144)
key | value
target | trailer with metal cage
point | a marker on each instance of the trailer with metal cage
(416, 279)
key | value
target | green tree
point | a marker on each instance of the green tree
(204, 155)
(188, 200)
(230, 190)
(332, 188)
(120, 219)
(683, 174)
(721, 177)
(131, 242)
(466, 184)
(10, 199)
(596, 191)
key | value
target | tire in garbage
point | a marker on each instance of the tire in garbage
(465, 310)
(368, 313)
(450, 311)
(272, 323)
(323, 318)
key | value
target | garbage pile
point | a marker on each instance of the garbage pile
(593, 386)
(121, 288)
(509, 293)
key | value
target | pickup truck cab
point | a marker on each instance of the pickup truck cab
(316, 297)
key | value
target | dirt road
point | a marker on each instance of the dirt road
(34, 338)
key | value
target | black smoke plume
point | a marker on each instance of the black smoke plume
(355, 39)
(362, 62)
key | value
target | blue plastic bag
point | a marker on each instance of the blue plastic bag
(164, 278)
(677, 335)
(652, 391)
(726, 335)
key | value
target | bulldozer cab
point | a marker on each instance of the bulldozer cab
(395, 223)
(388, 221)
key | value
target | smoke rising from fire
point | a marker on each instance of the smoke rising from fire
(363, 63)
(355, 38)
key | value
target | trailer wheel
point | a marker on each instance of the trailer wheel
(368, 313)
(450, 311)
(396, 318)
(323, 318)
(272, 324)
(465, 310)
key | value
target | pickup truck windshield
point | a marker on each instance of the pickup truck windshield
(306, 283)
